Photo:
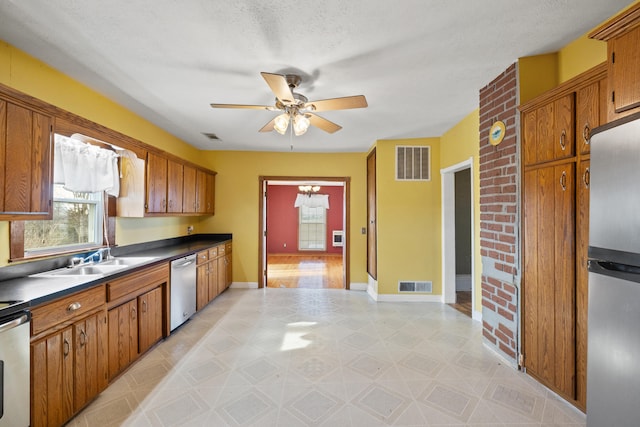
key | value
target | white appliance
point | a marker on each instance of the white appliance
(183, 290)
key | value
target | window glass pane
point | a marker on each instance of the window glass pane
(312, 229)
(77, 219)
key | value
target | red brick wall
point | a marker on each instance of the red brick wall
(499, 214)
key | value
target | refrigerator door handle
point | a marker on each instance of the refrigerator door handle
(596, 266)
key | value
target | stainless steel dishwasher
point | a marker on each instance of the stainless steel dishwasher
(183, 290)
(14, 366)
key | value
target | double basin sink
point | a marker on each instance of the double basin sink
(97, 269)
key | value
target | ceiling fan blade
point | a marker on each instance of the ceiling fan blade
(249, 107)
(357, 101)
(322, 123)
(268, 127)
(279, 86)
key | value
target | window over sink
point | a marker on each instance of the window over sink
(76, 224)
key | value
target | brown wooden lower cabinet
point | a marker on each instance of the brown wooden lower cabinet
(68, 369)
(549, 269)
(123, 337)
(213, 273)
(150, 319)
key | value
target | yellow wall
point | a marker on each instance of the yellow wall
(238, 198)
(457, 145)
(580, 55)
(536, 75)
(409, 230)
(26, 74)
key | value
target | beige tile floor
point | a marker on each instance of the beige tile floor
(306, 357)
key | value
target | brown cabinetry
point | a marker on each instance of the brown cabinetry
(172, 188)
(137, 315)
(213, 273)
(555, 207)
(26, 141)
(68, 356)
(622, 34)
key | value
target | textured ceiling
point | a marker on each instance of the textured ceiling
(420, 63)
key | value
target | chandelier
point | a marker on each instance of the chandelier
(309, 189)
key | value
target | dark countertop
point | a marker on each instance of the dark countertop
(17, 284)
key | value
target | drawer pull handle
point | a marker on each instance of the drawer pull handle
(74, 306)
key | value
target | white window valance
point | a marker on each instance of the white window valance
(85, 168)
(312, 200)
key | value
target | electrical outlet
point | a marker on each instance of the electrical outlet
(364, 230)
(189, 229)
(285, 245)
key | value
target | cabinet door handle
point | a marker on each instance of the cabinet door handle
(586, 177)
(563, 137)
(164, 203)
(65, 350)
(83, 338)
(586, 134)
(563, 180)
(74, 306)
(144, 306)
(133, 313)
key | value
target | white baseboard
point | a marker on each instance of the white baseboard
(373, 293)
(476, 315)
(244, 285)
(358, 286)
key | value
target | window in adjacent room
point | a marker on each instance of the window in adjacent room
(312, 226)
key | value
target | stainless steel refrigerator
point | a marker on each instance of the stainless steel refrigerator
(613, 357)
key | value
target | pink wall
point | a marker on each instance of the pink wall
(282, 218)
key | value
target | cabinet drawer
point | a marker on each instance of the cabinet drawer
(202, 257)
(221, 250)
(133, 282)
(227, 247)
(66, 308)
(213, 253)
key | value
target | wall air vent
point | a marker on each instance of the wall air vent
(211, 136)
(413, 163)
(415, 286)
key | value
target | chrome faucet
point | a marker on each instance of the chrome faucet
(100, 253)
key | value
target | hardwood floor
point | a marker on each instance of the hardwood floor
(305, 271)
(463, 302)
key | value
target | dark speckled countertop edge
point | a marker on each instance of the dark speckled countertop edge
(37, 290)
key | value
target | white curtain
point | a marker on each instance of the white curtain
(84, 167)
(312, 201)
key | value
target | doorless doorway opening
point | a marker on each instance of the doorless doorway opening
(280, 202)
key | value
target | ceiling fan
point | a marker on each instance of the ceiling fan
(296, 108)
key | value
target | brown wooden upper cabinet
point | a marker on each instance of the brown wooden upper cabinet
(176, 188)
(548, 131)
(622, 34)
(26, 141)
(591, 112)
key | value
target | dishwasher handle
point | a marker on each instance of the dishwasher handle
(14, 323)
(187, 262)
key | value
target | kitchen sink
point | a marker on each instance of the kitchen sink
(100, 269)
(125, 261)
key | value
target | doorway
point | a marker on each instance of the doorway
(458, 264)
(304, 234)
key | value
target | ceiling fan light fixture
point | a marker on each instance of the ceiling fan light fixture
(281, 123)
(300, 124)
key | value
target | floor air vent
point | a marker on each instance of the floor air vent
(404, 286)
